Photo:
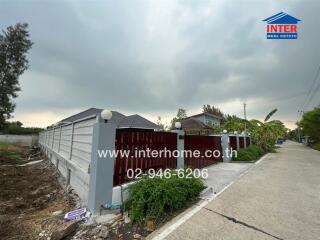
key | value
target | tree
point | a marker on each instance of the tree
(213, 110)
(264, 134)
(160, 124)
(310, 124)
(14, 46)
(181, 114)
(270, 114)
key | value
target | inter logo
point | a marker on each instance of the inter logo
(282, 26)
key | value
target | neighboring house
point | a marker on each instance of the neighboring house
(200, 122)
(119, 119)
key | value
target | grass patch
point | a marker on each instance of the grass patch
(156, 198)
(11, 152)
(251, 153)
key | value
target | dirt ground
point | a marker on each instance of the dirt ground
(28, 196)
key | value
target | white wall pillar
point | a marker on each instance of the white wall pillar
(238, 142)
(101, 168)
(180, 147)
(245, 140)
(225, 147)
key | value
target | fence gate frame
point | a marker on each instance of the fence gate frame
(142, 139)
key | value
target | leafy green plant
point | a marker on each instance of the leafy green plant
(249, 154)
(157, 197)
(310, 124)
(16, 128)
(263, 133)
(316, 146)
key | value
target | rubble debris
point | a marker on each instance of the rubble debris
(64, 230)
(151, 226)
(126, 218)
(137, 236)
(56, 213)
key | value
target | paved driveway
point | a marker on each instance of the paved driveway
(222, 174)
(279, 198)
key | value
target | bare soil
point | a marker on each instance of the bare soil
(30, 194)
(28, 197)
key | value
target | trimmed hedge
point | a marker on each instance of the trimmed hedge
(158, 197)
(251, 153)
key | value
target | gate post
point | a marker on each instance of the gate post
(245, 140)
(180, 146)
(238, 141)
(101, 167)
(225, 146)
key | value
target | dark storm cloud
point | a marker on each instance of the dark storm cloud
(142, 56)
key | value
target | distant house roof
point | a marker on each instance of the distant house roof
(206, 114)
(193, 124)
(119, 119)
(281, 18)
(136, 121)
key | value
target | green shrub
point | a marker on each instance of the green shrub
(248, 154)
(316, 146)
(157, 197)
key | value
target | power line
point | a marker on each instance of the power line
(311, 93)
(245, 117)
(284, 98)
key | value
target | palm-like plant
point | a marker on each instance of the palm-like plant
(265, 133)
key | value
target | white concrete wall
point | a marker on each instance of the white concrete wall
(69, 148)
(24, 140)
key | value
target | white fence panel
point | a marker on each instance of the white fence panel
(65, 142)
(70, 150)
(82, 143)
(56, 139)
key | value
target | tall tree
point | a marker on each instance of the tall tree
(213, 110)
(160, 124)
(14, 45)
(181, 114)
(311, 124)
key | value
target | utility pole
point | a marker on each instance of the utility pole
(245, 118)
(301, 112)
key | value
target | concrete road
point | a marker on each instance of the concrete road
(222, 174)
(279, 198)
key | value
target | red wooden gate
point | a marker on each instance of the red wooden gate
(248, 141)
(241, 142)
(233, 142)
(202, 144)
(138, 139)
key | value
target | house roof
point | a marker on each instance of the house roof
(206, 114)
(119, 119)
(136, 121)
(281, 18)
(192, 123)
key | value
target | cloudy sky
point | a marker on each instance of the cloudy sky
(153, 57)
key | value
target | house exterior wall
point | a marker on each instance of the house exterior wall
(212, 120)
(207, 119)
(201, 118)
